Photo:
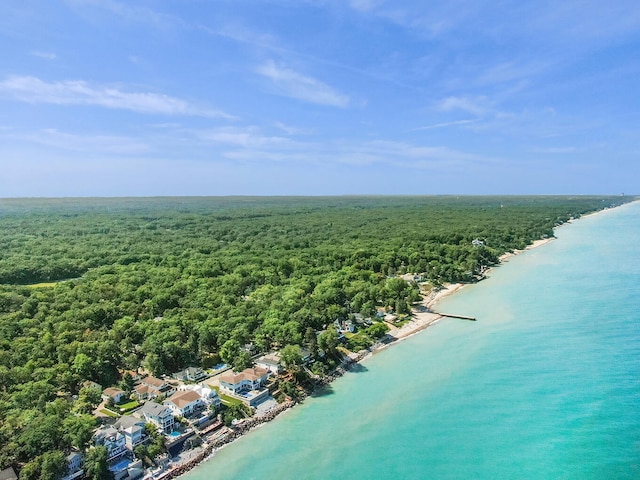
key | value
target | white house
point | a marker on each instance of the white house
(159, 415)
(152, 387)
(133, 430)
(270, 362)
(184, 403)
(208, 395)
(112, 439)
(74, 466)
(247, 380)
(190, 374)
(115, 394)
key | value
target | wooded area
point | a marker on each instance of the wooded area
(165, 283)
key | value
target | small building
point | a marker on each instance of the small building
(159, 415)
(114, 394)
(190, 374)
(185, 403)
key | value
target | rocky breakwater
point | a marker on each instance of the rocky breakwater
(235, 432)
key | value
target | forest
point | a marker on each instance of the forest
(89, 287)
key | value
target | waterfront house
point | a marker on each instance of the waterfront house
(133, 430)
(247, 380)
(112, 439)
(270, 362)
(114, 394)
(74, 466)
(185, 403)
(190, 374)
(159, 415)
(208, 395)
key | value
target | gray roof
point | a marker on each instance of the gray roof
(153, 409)
(8, 474)
(127, 421)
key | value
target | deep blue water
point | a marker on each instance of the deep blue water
(545, 385)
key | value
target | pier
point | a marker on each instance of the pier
(452, 315)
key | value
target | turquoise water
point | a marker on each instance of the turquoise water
(545, 385)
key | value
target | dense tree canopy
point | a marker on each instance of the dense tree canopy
(168, 283)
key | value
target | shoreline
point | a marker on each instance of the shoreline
(422, 317)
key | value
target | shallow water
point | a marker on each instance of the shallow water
(546, 384)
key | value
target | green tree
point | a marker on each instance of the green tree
(229, 351)
(54, 465)
(291, 357)
(328, 341)
(96, 467)
(78, 430)
(243, 360)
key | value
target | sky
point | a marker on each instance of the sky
(318, 97)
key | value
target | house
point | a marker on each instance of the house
(134, 375)
(90, 384)
(74, 466)
(115, 394)
(133, 430)
(208, 395)
(344, 326)
(8, 474)
(159, 415)
(151, 387)
(270, 362)
(477, 242)
(184, 403)
(108, 436)
(190, 374)
(245, 381)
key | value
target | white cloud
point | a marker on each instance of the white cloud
(110, 144)
(247, 137)
(445, 124)
(290, 130)
(474, 105)
(45, 55)
(556, 150)
(77, 92)
(290, 83)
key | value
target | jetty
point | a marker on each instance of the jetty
(453, 315)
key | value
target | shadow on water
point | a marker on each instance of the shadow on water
(358, 368)
(325, 391)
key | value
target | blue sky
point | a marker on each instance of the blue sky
(295, 97)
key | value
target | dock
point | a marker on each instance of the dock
(453, 315)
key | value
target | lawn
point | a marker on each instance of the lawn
(125, 407)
